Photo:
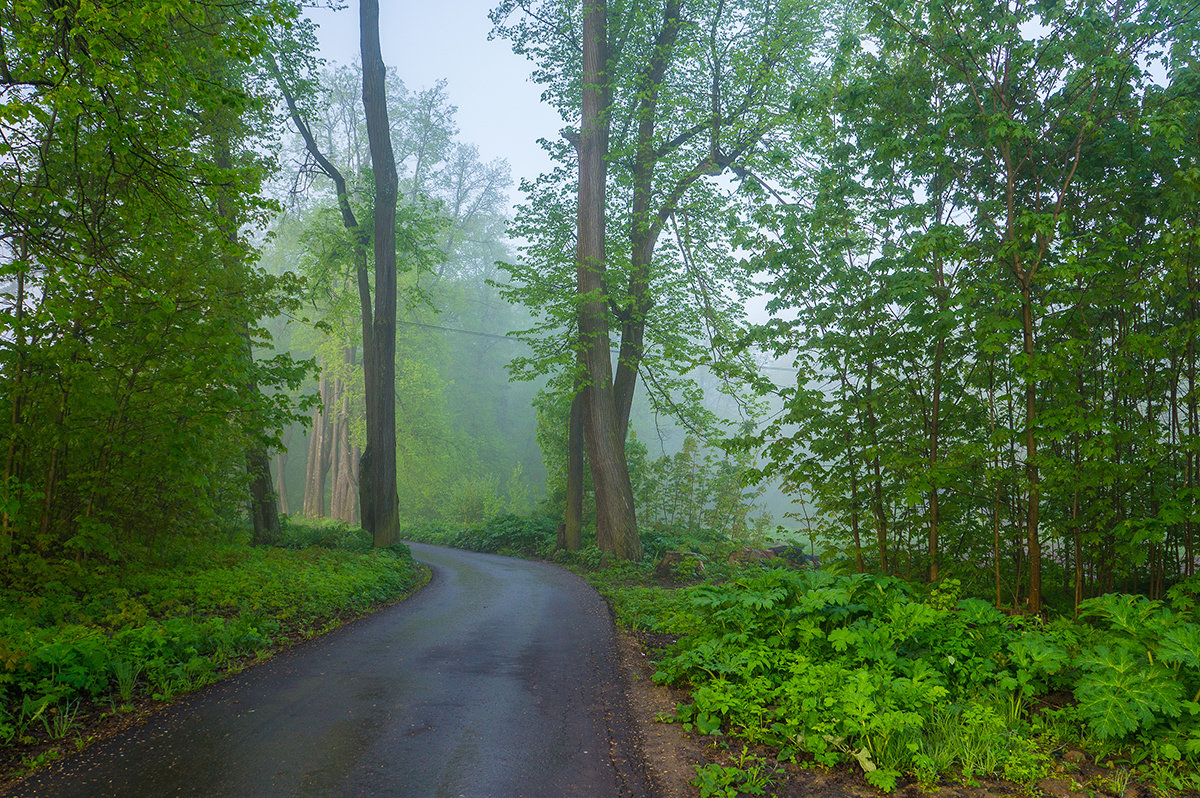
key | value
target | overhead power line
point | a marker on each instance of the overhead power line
(479, 334)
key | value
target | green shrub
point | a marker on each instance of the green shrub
(437, 533)
(510, 534)
(303, 533)
(862, 669)
(851, 668)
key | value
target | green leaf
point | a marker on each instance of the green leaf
(1121, 694)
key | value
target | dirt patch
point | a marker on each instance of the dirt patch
(671, 754)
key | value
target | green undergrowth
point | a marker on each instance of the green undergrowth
(901, 683)
(88, 637)
(508, 534)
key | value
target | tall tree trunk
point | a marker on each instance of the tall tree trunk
(12, 469)
(616, 524)
(996, 541)
(858, 556)
(934, 429)
(359, 241)
(344, 500)
(52, 474)
(645, 225)
(264, 512)
(319, 446)
(1192, 461)
(379, 470)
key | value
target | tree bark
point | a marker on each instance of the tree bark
(616, 523)
(858, 557)
(362, 278)
(877, 488)
(379, 459)
(281, 458)
(319, 445)
(1031, 467)
(344, 499)
(264, 512)
(934, 429)
(16, 393)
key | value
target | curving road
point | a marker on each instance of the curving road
(497, 679)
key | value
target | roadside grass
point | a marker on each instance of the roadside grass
(82, 643)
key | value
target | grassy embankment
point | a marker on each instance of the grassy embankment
(85, 644)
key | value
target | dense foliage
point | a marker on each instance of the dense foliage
(132, 141)
(987, 284)
(500, 534)
(862, 669)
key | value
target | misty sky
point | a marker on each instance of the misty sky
(498, 108)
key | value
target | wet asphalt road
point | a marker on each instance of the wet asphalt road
(498, 679)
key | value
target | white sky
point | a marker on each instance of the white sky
(499, 109)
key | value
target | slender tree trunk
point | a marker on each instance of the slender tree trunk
(881, 529)
(1078, 535)
(645, 225)
(996, 542)
(379, 461)
(616, 524)
(281, 459)
(858, 557)
(16, 394)
(1193, 419)
(1031, 465)
(52, 473)
(934, 429)
(344, 501)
